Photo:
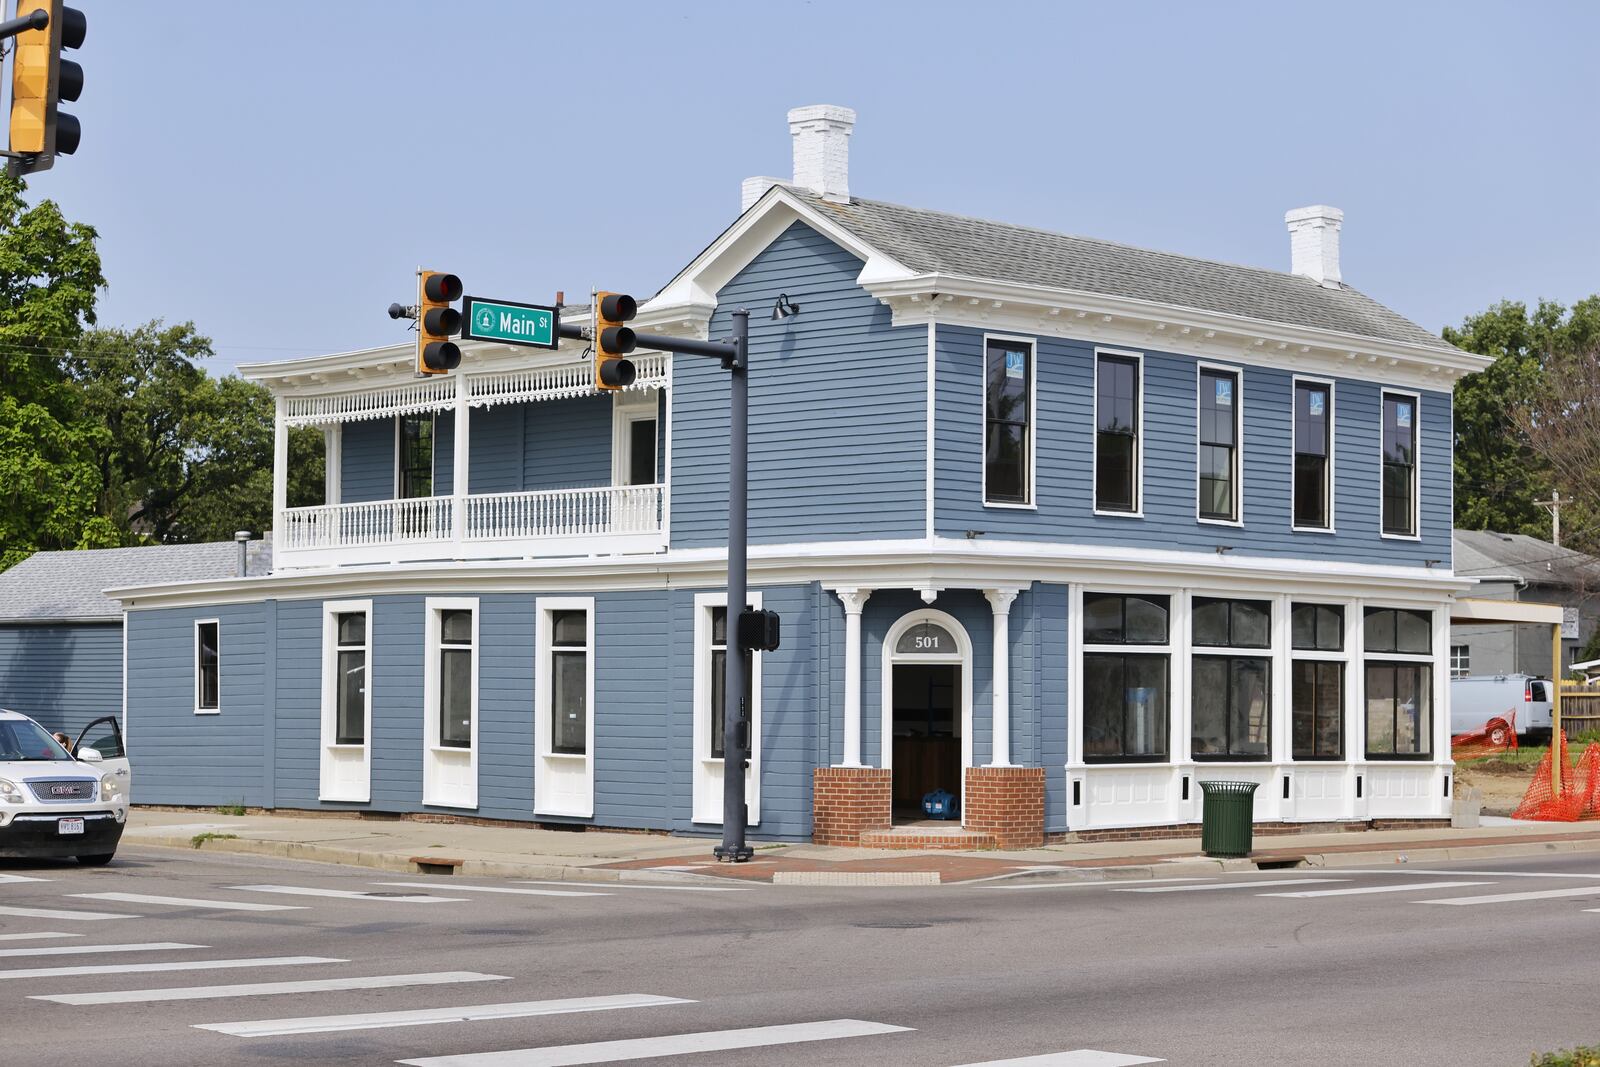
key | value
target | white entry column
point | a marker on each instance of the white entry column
(853, 600)
(1000, 601)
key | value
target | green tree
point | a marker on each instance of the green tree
(1498, 475)
(49, 276)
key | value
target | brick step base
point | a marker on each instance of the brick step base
(924, 837)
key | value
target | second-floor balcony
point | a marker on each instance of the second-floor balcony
(553, 522)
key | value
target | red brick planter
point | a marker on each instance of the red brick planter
(847, 801)
(1007, 802)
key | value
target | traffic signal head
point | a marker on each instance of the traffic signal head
(613, 340)
(437, 321)
(40, 79)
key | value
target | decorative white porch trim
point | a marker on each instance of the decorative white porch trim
(557, 382)
(431, 394)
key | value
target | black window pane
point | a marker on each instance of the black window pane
(1303, 626)
(1006, 462)
(416, 456)
(1252, 623)
(1008, 382)
(1330, 710)
(1311, 420)
(1398, 430)
(455, 698)
(1103, 705)
(1210, 621)
(1210, 733)
(1146, 679)
(1412, 632)
(1311, 492)
(1413, 709)
(1330, 627)
(642, 452)
(1146, 620)
(1116, 390)
(569, 628)
(719, 626)
(719, 686)
(350, 688)
(1380, 630)
(1250, 701)
(1217, 408)
(1303, 708)
(1216, 482)
(569, 692)
(1380, 684)
(1113, 474)
(1102, 619)
(352, 627)
(455, 627)
(1397, 510)
(207, 666)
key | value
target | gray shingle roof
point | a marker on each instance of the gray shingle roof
(52, 586)
(1485, 553)
(928, 241)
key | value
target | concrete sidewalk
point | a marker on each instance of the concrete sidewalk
(531, 852)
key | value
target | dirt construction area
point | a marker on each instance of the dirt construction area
(1502, 784)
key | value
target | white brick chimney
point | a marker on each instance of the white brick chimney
(821, 135)
(1314, 243)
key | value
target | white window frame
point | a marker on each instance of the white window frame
(1330, 478)
(436, 757)
(1032, 344)
(333, 785)
(563, 782)
(1177, 650)
(628, 408)
(433, 455)
(1138, 437)
(198, 709)
(1350, 695)
(1460, 665)
(1237, 473)
(1277, 710)
(708, 770)
(1416, 463)
(1438, 660)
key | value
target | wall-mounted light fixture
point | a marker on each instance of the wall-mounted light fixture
(784, 307)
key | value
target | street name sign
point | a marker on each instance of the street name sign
(510, 322)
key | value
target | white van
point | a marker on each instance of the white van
(1477, 699)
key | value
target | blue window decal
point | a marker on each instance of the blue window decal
(1318, 401)
(1014, 364)
(1402, 414)
(1225, 392)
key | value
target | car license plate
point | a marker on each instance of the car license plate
(69, 826)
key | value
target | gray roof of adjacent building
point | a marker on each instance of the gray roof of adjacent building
(936, 242)
(1487, 554)
(54, 587)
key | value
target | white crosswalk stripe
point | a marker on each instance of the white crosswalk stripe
(50, 913)
(1409, 871)
(72, 950)
(190, 902)
(664, 888)
(348, 894)
(497, 889)
(7, 878)
(673, 1045)
(1362, 890)
(1507, 898)
(35, 937)
(1259, 884)
(149, 968)
(377, 1020)
(1082, 1057)
(267, 989)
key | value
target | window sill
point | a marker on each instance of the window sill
(1313, 529)
(1214, 758)
(1125, 762)
(1119, 514)
(1418, 757)
(1400, 537)
(348, 746)
(208, 711)
(1006, 506)
(440, 750)
(571, 757)
(1237, 524)
(327, 798)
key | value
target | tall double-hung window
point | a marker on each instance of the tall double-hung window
(1218, 458)
(718, 680)
(1232, 679)
(456, 670)
(1399, 683)
(1126, 677)
(1316, 634)
(1116, 437)
(1313, 456)
(414, 456)
(1399, 464)
(207, 667)
(569, 682)
(1008, 422)
(350, 678)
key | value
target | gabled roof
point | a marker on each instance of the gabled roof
(928, 242)
(62, 586)
(1487, 554)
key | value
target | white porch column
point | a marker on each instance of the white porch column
(1000, 600)
(280, 465)
(458, 485)
(333, 464)
(853, 600)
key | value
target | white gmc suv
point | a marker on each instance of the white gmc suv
(55, 805)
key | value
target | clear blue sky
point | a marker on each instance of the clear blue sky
(276, 171)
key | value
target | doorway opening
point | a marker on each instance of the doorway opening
(927, 735)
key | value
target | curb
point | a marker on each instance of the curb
(398, 864)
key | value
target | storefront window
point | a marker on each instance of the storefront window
(1125, 692)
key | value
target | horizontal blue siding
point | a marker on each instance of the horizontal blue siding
(567, 443)
(366, 461)
(835, 451)
(1065, 449)
(63, 676)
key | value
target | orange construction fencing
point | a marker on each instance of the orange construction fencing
(1580, 787)
(1498, 735)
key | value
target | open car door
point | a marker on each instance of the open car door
(104, 735)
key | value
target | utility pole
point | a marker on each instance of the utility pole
(1553, 506)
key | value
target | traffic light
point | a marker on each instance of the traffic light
(613, 340)
(437, 321)
(40, 79)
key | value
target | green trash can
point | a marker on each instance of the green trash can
(1225, 823)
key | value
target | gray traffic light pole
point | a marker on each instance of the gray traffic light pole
(735, 356)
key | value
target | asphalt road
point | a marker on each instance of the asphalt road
(1371, 973)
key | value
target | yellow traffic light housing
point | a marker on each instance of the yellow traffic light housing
(437, 321)
(40, 80)
(613, 340)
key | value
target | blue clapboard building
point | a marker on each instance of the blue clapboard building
(1060, 526)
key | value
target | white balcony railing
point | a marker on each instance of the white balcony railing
(604, 519)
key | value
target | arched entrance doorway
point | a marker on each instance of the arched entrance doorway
(926, 731)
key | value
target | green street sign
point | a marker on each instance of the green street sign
(509, 322)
